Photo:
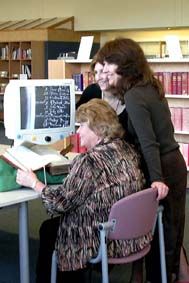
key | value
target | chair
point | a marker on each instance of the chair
(130, 217)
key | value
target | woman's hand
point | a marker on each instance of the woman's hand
(162, 189)
(26, 178)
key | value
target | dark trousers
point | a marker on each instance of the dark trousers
(175, 176)
(47, 237)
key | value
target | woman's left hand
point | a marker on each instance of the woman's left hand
(162, 189)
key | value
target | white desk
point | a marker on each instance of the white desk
(21, 198)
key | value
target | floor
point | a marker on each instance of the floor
(9, 261)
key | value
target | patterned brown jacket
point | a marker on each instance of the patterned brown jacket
(97, 179)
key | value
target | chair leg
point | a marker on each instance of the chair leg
(54, 267)
(105, 278)
(162, 246)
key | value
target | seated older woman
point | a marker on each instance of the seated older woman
(107, 172)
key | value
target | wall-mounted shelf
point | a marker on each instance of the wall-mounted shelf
(182, 137)
(78, 92)
(177, 100)
(75, 61)
(168, 60)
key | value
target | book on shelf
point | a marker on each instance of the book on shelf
(167, 82)
(176, 83)
(180, 118)
(4, 52)
(176, 117)
(16, 53)
(75, 144)
(26, 69)
(26, 53)
(28, 156)
(184, 79)
(185, 119)
(88, 78)
(78, 79)
(29, 53)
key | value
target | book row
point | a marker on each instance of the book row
(82, 80)
(16, 53)
(4, 52)
(174, 82)
(26, 69)
(180, 118)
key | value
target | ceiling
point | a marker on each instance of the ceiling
(36, 24)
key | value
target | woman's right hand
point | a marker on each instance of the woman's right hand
(26, 178)
(162, 189)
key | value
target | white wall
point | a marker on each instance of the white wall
(102, 14)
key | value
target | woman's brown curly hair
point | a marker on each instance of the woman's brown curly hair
(132, 65)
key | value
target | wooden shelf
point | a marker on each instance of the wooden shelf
(154, 44)
(60, 69)
(78, 92)
(64, 69)
(182, 137)
(75, 61)
(181, 133)
(175, 96)
(178, 100)
(168, 60)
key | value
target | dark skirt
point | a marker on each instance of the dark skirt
(175, 176)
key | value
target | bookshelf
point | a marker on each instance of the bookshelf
(157, 49)
(65, 68)
(16, 56)
(44, 38)
(20, 57)
(58, 69)
(177, 94)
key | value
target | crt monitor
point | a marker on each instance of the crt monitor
(39, 111)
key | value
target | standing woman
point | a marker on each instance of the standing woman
(150, 128)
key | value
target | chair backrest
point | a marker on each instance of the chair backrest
(134, 215)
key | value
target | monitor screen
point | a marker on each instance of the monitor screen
(41, 111)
